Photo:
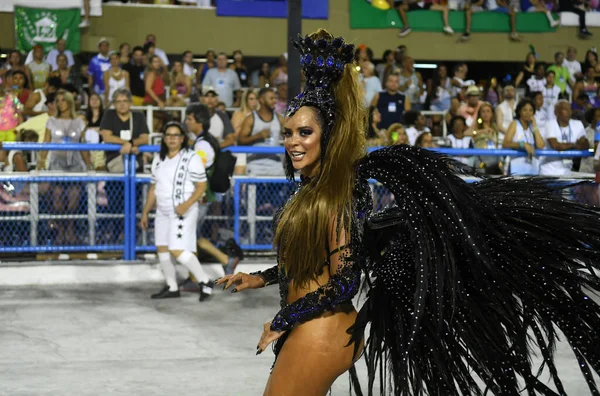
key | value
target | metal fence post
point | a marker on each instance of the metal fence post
(34, 213)
(251, 212)
(91, 202)
(236, 211)
(132, 207)
(127, 207)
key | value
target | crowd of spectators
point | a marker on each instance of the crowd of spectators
(403, 105)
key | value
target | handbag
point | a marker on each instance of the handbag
(117, 164)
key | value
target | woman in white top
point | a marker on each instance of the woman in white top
(523, 134)
(458, 138)
(114, 78)
(178, 183)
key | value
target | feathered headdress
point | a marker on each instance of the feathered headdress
(323, 63)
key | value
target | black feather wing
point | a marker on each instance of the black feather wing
(468, 279)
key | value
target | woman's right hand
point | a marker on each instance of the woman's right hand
(530, 149)
(144, 222)
(241, 281)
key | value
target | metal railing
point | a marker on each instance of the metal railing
(244, 213)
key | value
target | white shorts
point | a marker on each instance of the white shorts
(176, 232)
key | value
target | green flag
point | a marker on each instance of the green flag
(45, 26)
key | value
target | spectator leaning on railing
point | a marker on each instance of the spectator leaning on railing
(524, 134)
(125, 127)
(560, 135)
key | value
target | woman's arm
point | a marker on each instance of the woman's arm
(519, 78)
(151, 201)
(540, 143)
(105, 78)
(85, 154)
(44, 154)
(341, 288)
(126, 80)
(18, 162)
(510, 134)
(269, 276)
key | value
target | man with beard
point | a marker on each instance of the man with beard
(506, 110)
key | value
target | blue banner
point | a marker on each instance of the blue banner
(311, 9)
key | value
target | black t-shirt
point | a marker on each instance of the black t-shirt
(121, 129)
(136, 79)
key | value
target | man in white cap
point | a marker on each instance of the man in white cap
(469, 109)
(98, 65)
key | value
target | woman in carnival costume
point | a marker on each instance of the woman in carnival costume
(464, 282)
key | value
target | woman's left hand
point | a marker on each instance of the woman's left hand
(268, 336)
(181, 209)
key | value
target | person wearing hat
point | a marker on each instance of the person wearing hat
(220, 124)
(98, 65)
(469, 109)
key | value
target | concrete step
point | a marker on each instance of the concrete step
(57, 272)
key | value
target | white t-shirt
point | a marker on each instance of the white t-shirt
(165, 178)
(189, 70)
(574, 67)
(553, 166)
(216, 127)
(550, 99)
(413, 134)
(536, 85)
(162, 55)
(541, 118)
(205, 152)
(508, 112)
(463, 143)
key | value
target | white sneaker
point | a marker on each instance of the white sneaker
(448, 30)
(554, 23)
(85, 23)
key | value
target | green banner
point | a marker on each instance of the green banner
(374, 14)
(45, 26)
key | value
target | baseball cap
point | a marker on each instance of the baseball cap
(103, 40)
(208, 89)
(473, 91)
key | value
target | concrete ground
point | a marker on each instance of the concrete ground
(113, 340)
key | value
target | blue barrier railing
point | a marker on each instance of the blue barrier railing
(246, 210)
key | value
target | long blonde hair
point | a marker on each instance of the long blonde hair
(244, 109)
(68, 97)
(307, 222)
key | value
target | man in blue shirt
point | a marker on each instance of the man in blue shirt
(98, 65)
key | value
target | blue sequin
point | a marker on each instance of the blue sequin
(330, 61)
(320, 61)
